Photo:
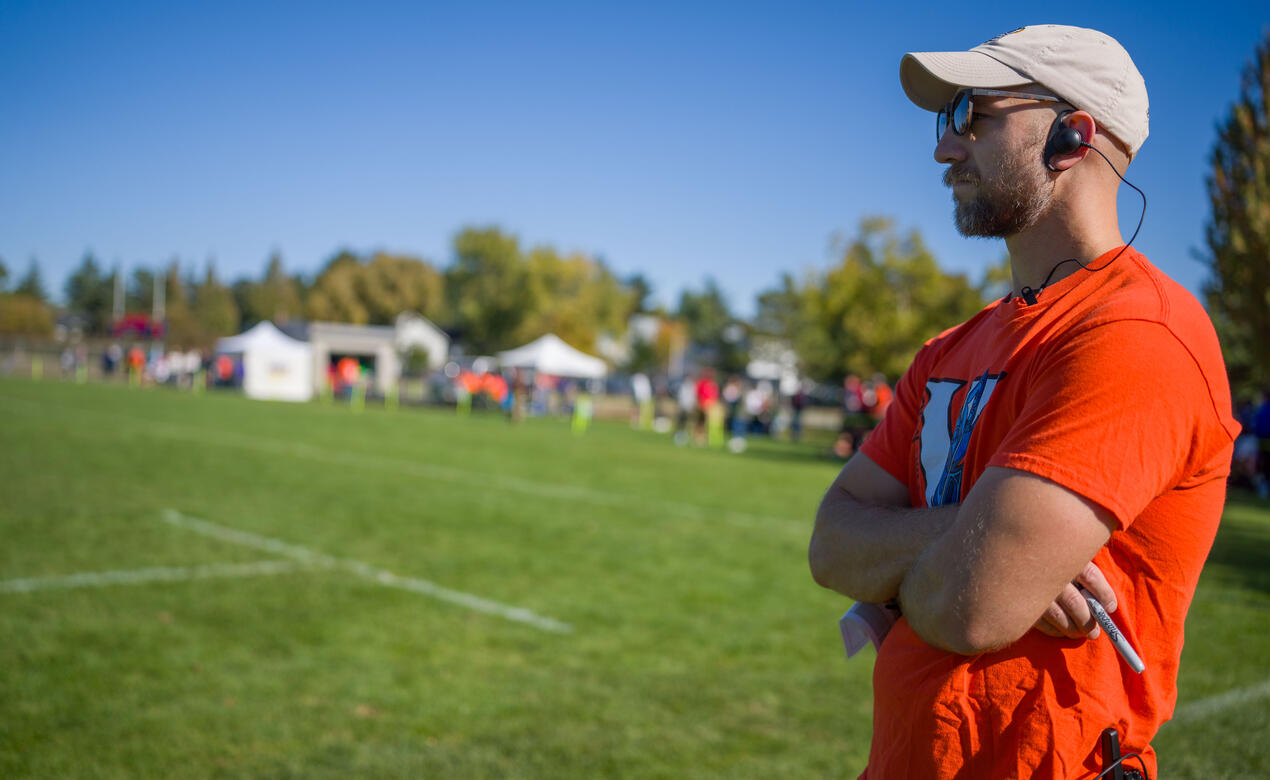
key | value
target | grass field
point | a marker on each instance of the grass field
(213, 587)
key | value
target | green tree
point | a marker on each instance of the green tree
(276, 297)
(717, 336)
(214, 308)
(1238, 230)
(183, 328)
(25, 315)
(640, 290)
(575, 297)
(89, 293)
(391, 284)
(32, 284)
(486, 289)
(139, 294)
(873, 310)
(335, 296)
(4, 276)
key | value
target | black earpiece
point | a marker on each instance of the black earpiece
(1062, 140)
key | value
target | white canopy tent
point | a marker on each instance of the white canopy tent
(275, 366)
(550, 355)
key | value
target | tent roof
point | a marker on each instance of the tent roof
(263, 335)
(550, 355)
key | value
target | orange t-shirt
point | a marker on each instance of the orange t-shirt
(1113, 386)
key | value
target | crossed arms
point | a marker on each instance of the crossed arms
(970, 578)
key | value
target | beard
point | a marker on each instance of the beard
(1004, 203)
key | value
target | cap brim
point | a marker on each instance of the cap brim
(931, 78)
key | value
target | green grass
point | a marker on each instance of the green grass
(699, 646)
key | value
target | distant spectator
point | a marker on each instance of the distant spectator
(1261, 426)
(797, 402)
(642, 390)
(707, 400)
(687, 398)
(882, 395)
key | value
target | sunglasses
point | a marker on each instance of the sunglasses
(960, 111)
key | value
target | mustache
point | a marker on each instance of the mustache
(960, 172)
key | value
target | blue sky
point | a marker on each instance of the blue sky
(680, 140)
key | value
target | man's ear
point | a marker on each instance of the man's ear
(1083, 123)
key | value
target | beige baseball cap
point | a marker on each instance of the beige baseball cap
(1088, 69)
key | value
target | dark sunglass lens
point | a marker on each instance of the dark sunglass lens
(941, 123)
(961, 114)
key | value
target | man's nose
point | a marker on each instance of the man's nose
(951, 148)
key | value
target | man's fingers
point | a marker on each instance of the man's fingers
(1070, 616)
(1094, 581)
(1059, 623)
(1077, 610)
(1046, 628)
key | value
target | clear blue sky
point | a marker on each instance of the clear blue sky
(681, 140)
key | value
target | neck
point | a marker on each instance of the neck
(1083, 229)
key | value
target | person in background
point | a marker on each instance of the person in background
(687, 399)
(707, 400)
(1261, 427)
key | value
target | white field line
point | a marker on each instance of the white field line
(483, 481)
(1203, 708)
(97, 579)
(382, 576)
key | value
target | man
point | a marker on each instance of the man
(1076, 432)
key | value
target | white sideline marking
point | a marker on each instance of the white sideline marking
(382, 576)
(96, 579)
(1202, 708)
(483, 481)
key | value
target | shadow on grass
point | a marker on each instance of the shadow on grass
(789, 452)
(1242, 548)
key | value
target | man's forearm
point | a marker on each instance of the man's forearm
(864, 550)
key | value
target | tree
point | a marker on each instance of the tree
(276, 297)
(183, 329)
(32, 285)
(4, 276)
(25, 311)
(392, 284)
(370, 292)
(641, 289)
(873, 310)
(24, 315)
(717, 336)
(574, 296)
(89, 293)
(1238, 230)
(335, 297)
(486, 289)
(214, 308)
(139, 295)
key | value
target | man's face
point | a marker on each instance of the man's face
(1000, 186)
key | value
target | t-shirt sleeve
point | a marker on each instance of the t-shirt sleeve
(1117, 413)
(890, 442)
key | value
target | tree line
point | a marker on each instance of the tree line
(494, 295)
(869, 312)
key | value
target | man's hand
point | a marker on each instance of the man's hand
(1068, 616)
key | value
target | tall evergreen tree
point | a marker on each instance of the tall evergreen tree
(89, 293)
(32, 284)
(214, 308)
(1238, 231)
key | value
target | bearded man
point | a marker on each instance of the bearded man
(1073, 436)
